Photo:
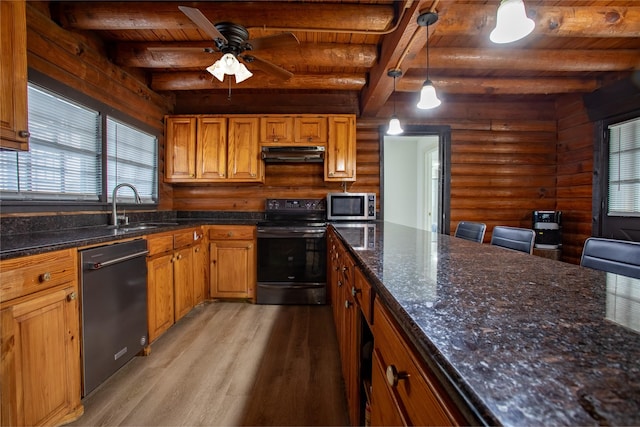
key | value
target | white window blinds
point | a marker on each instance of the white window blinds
(63, 162)
(624, 168)
(131, 158)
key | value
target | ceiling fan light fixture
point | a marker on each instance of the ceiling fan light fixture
(428, 97)
(229, 65)
(512, 23)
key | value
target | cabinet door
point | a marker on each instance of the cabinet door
(41, 359)
(200, 276)
(276, 130)
(160, 308)
(211, 155)
(232, 269)
(310, 130)
(340, 161)
(13, 76)
(183, 281)
(245, 163)
(180, 150)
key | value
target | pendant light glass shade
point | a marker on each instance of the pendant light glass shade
(428, 97)
(394, 126)
(512, 22)
(230, 65)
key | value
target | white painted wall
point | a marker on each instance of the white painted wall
(407, 187)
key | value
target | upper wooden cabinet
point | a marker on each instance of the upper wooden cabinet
(14, 130)
(245, 164)
(212, 149)
(203, 148)
(340, 160)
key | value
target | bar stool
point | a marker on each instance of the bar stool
(613, 256)
(473, 231)
(518, 239)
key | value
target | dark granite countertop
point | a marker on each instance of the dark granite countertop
(17, 244)
(523, 340)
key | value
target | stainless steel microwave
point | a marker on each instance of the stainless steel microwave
(351, 206)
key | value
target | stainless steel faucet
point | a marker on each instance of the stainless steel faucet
(114, 213)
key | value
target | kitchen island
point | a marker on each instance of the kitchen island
(518, 339)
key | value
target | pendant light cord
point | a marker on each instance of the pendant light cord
(427, 52)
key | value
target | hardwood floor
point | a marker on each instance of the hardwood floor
(230, 363)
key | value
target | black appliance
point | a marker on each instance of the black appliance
(548, 228)
(292, 252)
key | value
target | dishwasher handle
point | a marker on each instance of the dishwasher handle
(99, 265)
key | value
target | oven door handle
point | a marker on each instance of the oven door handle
(288, 233)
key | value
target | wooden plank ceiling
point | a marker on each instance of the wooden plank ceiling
(347, 47)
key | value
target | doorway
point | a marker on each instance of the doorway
(415, 175)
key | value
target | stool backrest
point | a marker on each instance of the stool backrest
(473, 231)
(518, 239)
(613, 256)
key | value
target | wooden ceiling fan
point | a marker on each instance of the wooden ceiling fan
(232, 40)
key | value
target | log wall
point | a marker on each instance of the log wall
(575, 175)
(83, 65)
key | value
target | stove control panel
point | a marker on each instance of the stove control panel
(295, 205)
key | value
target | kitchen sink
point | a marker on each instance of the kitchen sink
(128, 228)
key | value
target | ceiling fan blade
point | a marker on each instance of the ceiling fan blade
(179, 49)
(268, 67)
(278, 40)
(202, 22)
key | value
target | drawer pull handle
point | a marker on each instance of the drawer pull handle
(72, 296)
(45, 277)
(393, 376)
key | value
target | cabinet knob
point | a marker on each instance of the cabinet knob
(72, 296)
(345, 268)
(179, 256)
(339, 283)
(230, 234)
(393, 376)
(355, 291)
(24, 134)
(347, 303)
(197, 250)
(45, 277)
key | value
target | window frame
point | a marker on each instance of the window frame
(614, 227)
(105, 111)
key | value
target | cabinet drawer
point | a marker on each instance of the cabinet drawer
(185, 238)
(159, 243)
(225, 232)
(26, 275)
(418, 392)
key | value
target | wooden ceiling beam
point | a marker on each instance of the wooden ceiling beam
(314, 55)
(584, 21)
(198, 80)
(97, 15)
(394, 47)
(501, 86)
(566, 60)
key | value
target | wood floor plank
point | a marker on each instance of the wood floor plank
(229, 363)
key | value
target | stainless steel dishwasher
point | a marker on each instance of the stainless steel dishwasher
(114, 308)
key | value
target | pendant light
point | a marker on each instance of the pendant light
(394, 124)
(428, 97)
(512, 22)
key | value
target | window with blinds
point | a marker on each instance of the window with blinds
(65, 157)
(624, 168)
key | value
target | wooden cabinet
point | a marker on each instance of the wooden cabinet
(172, 278)
(200, 272)
(244, 164)
(39, 320)
(347, 321)
(14, 130)
(340, 160)
(310, 130)
(404, 390)
(276, 130)
(196, 148)
(233, 262)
